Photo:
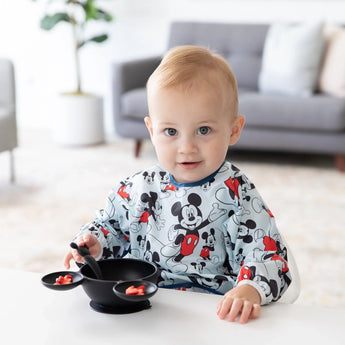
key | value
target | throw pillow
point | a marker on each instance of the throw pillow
(291, 59)
(332, 75)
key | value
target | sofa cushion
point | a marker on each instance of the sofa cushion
(332, 76)
(134, 104)
(318, 113)
(240, 44)
(291, 59)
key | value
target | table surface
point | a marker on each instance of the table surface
(31, 312)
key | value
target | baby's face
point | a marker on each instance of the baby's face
(191, 132)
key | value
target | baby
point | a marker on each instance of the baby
(195, 215)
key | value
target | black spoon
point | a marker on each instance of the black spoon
(90, 260)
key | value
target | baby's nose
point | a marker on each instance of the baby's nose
(188, 145)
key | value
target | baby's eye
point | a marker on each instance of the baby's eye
(170, 132)
(204, 130)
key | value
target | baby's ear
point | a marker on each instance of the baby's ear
(148, 123)
(236, 129)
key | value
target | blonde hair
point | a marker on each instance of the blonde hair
(186, 67)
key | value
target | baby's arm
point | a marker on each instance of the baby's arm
(103, 236)
(261, 254)
(243, 301)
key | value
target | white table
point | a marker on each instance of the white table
(31, 313)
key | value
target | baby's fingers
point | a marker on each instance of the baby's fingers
(84, 240)
(255, 311)
(67, 259)
(224, 306)
(246, 312)
(235, 310)
(72, 254)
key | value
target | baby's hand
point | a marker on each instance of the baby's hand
(91, 241)
(242, 301)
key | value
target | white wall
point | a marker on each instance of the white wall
(44, 60)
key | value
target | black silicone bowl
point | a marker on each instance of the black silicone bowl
(100, 291)
(115, 271)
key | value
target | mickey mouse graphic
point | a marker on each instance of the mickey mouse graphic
(149, 177)
(270, 287)
(244, 230)
(152, 207)
(124, 191)
(199, 266)
(210, 240)
(191, 221)
(141, 241)
(150, 255)
(149, 207)
(165, 184)
(233, 185)
(208, 283)
(206, 186)
(231, 193)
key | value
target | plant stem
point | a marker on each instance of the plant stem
(76, 56)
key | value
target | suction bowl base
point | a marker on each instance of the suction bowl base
(120, 309)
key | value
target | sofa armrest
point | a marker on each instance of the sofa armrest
(8, 123)
(7, 84)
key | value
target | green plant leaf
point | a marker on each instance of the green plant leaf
(48, 22)
(90, 10)
(104, 16)
(96, 39)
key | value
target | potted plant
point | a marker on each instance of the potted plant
(79, 119)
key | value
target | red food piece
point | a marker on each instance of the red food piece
(139, 291)
(67, 279)
(131, 290)
(59, 280)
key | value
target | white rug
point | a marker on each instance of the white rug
(58, 189)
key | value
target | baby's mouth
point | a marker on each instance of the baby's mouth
(189, 165)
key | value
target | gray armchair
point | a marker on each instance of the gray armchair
(8, 125)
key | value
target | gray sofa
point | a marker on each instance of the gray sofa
(8, 124)
(281, 123)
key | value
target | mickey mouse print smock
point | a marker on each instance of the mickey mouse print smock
(206, 236)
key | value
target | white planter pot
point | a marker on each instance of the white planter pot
(79, 120)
